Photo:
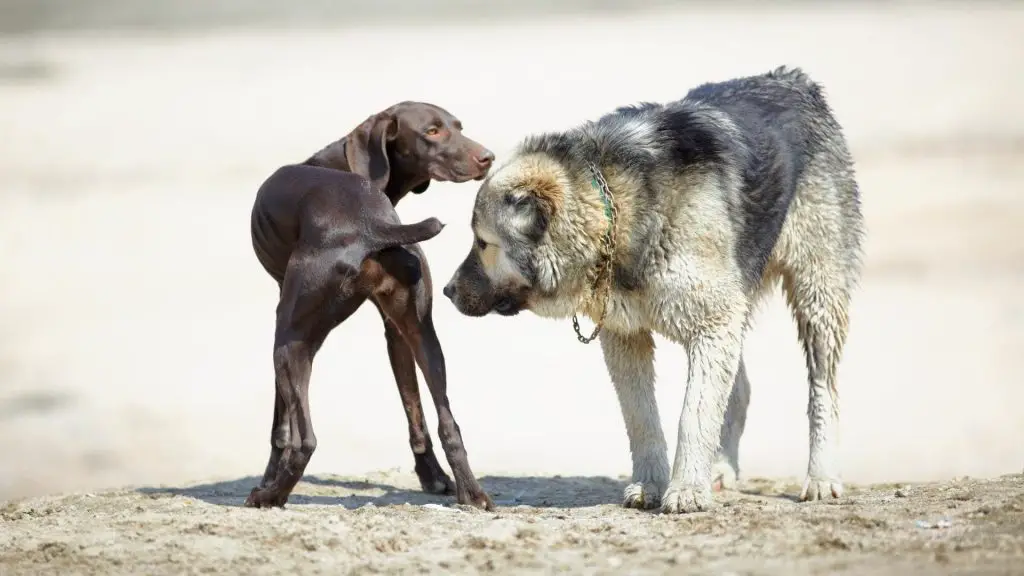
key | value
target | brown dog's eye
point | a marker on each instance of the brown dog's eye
(432, 131)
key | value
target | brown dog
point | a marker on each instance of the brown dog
(331, 239)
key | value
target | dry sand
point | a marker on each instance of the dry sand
(137, 325)
(370, 525)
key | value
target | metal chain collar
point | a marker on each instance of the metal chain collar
(605, 265)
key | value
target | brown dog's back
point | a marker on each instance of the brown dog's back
(301, 207)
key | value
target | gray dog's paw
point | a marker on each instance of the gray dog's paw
(820, 489)
(725, 475)
(687, 498)
(642, 496)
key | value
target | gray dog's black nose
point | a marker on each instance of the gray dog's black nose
(449, 291)
(484, 157)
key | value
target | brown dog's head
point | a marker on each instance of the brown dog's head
(412, 143)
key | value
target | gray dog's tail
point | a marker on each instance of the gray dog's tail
(393, 235)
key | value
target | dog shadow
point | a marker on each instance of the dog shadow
(506, 491)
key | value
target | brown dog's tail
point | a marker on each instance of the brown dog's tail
(393, 235)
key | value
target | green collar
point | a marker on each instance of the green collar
(605, 267)
(601, 185)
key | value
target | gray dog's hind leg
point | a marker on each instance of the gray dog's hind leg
(726, 470)
(820, 263)
(820, 307)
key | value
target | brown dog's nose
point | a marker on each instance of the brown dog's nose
(484, 157)
(449, 291)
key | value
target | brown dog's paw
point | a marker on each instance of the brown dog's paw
(254, 500)
(433, 479)
(440, 484)
(259, 498)
(478, 500)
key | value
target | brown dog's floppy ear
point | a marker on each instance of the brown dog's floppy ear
(366, 150)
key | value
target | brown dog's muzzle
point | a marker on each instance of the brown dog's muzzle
(484, 159)
(467, 161)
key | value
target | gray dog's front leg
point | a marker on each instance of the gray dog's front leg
(713, 360)
(630, 362)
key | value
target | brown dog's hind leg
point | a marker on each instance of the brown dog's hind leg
(408, 306)
(432, 477)
(422, 339)
(293, 362)
(311, 283)
(279, 438)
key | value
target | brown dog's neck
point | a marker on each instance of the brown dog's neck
(398, 185)
(331, 156)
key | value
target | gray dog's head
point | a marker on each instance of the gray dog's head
(521, 246)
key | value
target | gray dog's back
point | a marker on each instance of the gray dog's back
(773, 132)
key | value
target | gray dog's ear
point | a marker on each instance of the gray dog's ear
(366, 150)
(532, 213)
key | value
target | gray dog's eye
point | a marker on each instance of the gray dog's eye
(480, 243)
(520, 201)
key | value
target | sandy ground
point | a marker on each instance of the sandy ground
(370, 525)
(136, 324)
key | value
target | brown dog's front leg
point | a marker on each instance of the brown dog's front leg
(431, 476)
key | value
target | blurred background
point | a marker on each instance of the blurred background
(136, 325)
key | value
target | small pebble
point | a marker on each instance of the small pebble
(940, 524)
(442, 508)
(903, 492)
